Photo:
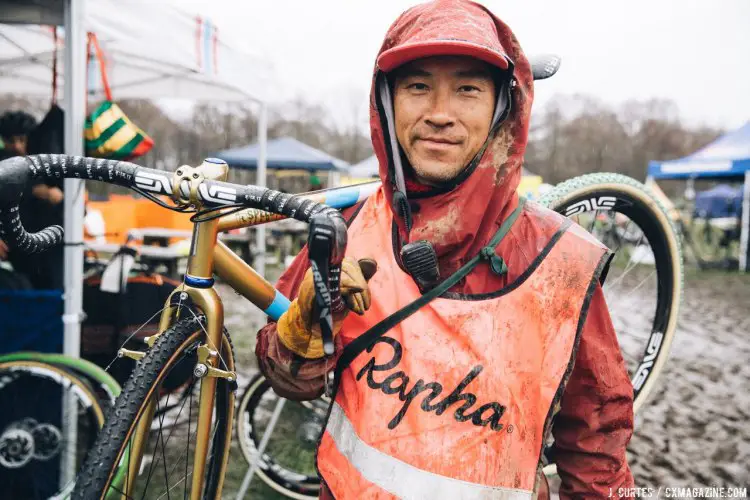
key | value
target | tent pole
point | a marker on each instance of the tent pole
(260, 231)
(745, 236)
(75, 108)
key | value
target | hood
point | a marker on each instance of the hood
(461, 218)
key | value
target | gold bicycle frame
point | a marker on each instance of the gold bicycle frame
(207, 257)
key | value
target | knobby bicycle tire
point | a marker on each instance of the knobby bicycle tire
(635, 200)
(103, 462)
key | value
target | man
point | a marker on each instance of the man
(457, 399)
(41, 206)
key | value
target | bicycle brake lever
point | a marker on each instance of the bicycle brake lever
(325, 250)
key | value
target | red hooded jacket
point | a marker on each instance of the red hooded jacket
(595, 420)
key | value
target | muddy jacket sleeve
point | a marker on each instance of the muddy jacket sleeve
(291, 376)
(595, 421)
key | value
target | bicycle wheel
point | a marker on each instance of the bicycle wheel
(288, 463)
(165, 470)
(104, 385)
(621, 212)
(33, 447)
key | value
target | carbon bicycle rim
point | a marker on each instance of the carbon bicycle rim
(33, 443)
(644, 283)
(288, 463)
(166, 458)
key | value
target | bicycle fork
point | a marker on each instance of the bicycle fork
(207, 369)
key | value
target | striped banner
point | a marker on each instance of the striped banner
(206, 45)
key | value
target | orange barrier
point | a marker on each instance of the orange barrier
(122, 213)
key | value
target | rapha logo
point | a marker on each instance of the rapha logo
(600, 203)
(156, 183)
(220, 195)
(397, 382)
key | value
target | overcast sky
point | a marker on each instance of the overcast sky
(696, 52)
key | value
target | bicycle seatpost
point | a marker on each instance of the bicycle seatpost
(326, 245)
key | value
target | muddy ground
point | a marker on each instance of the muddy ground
(695, 429)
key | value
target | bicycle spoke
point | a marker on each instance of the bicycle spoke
(118, 490)
(185, 400)
(127, 473)
(593, 221)
(630, 266)
(164, 456)
(625, 233)
(176, 485)
(187, 441)
(652, 273)
(185, 456)
(190, 416)
(153, 462)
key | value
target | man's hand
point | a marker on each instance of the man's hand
(297, 328)
(53, 195)
(3, 250)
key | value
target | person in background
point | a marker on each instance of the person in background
(41, 206)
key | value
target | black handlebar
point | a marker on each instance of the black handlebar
(18, 172)
(327, 235)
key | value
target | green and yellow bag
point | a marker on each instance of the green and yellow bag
(109, 133)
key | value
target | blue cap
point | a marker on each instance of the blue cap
(218, 161)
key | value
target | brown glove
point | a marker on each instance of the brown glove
(297, 329)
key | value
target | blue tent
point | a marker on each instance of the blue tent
(285, 153)
(727, 156)
(719, 201)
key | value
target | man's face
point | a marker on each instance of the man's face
(443, 107)
(16, 144)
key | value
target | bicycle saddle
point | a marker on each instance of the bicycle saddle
(544, 66)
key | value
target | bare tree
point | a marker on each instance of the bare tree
(571, 135)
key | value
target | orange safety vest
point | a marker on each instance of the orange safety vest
(455, 401)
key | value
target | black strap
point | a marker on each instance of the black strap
(367, 339)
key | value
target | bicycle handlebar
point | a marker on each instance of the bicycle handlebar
(327, 240)
(16, 173)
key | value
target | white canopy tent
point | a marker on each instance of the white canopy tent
(152, 50)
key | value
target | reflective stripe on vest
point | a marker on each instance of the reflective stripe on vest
(454, 401)
(400, 478)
